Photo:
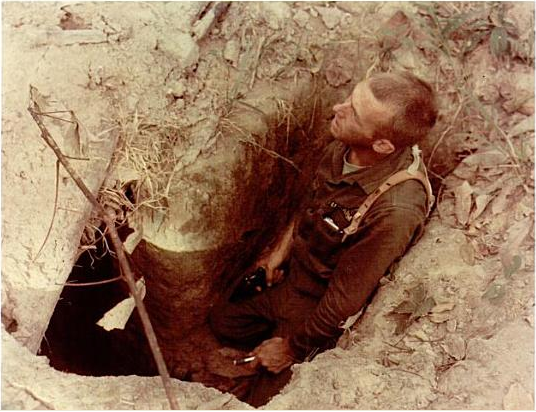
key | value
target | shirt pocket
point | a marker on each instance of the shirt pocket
(324, 238)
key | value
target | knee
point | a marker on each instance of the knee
(220, 323)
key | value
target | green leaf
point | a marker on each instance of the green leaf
(513, 267)
(498, 41)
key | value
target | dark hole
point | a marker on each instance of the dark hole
(75, 343)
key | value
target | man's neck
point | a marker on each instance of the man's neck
(360, 156)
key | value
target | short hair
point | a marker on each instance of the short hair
(414, 104)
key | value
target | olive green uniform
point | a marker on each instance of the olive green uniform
(330, 279)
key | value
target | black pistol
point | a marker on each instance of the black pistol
(251, 284)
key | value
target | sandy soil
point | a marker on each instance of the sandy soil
(453, 328)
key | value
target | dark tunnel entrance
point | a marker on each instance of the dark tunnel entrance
(75, 343)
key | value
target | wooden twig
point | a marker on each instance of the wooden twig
(448, 129)
(256, 61)
(56, 190)
(108, 218)
(100, 282)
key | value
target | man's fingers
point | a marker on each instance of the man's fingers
(278, 275)
(270, 275)
(273, 276)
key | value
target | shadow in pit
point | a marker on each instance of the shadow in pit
(74, 343)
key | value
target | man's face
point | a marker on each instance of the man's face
(358, 116)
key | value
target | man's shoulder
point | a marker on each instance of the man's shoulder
(406, 196)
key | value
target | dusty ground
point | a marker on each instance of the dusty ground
(453, 328)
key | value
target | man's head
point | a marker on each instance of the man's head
(385, 112)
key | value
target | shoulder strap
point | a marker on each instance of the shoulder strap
(411, 173)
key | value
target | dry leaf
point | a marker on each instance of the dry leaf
(481, 202)
(40, 100)
(439, 317)
(501, 201)
(525, 125)
(443, 307)
(454, 346)
(419, 334)
(494, 293)
(488, 158)
(467, 252)
(516, 235)
(518, 398)
(117, 317)
(72, 141)
(451, 325)
(463, 202)
(424, 308)
(516, 263)
(409, 310)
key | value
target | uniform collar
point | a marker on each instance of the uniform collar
(371, 178)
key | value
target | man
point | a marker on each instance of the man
(331, 274)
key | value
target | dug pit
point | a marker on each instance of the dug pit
(203, 110)
(238, 208)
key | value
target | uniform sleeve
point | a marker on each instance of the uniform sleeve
(382, 240)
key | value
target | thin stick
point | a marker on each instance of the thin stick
(56, 190)
(448, 129)
(256, 62)
(405, 370)
(108, 218)
(100, 282)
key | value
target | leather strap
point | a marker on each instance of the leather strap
(411, 173)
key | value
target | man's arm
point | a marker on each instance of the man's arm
(273, 257)
(386, 237)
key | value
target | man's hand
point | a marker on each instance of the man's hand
(274, 354)
(271, 262)
(272, 259)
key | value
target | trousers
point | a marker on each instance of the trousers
(275, 312)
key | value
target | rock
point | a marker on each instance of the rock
(331, 16)
(301, 17)
(275, 14)
(339, 71)
(518, 398)
(231, 52)
(313, 12)
(179, 104)
(177, 88)
(180, 46)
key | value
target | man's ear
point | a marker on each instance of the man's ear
(383, 146)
